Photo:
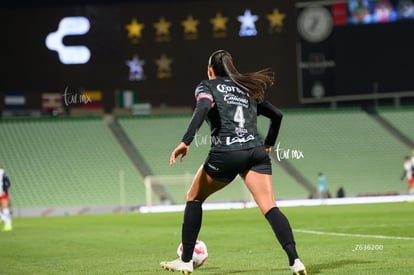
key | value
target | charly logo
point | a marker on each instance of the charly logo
(78, 25)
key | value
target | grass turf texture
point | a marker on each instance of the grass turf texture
(239, 242)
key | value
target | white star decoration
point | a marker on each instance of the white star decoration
(136, 70)
(248, 26)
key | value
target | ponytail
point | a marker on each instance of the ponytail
(253, 83)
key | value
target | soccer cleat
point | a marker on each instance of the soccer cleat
(178, 265)
(298, 268)
(7, 227)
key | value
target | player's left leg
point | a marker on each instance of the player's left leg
(260, 186)
(202, 187)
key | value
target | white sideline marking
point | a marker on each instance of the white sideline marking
(283, 203)
(77, 210)
(353, 235)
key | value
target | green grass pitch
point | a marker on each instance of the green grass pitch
(348, 239)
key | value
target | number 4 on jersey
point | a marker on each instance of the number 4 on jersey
(239, 116)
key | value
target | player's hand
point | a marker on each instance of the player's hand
(268, 149)
(181, 149)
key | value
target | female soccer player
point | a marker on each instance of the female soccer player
(230, 102)
(4, 200)
(409, 174)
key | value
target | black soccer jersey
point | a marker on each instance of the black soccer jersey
(233, 117)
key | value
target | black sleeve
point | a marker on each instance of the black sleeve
(199, 115)
(275, 115)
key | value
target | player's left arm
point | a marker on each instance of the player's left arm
(275, 115)
(199, 115)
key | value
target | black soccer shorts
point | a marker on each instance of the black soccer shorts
(224, 166)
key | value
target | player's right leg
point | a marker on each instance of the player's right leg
(260, 185)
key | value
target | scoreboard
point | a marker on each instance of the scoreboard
(355, 50)
(158, 50)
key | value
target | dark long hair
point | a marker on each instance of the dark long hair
(253, 83)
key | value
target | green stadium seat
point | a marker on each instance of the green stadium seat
(402, 119)
(66, 162)
(76, 161)
(348, 146)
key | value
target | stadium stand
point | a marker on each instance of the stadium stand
(156, 137)
(348, 146)
(66, 162)
(402, 119)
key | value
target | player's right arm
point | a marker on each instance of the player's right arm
(275, 115)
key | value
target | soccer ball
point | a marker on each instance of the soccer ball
(200, 254)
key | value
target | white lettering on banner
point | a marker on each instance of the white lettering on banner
(14, 100)
(77, 25)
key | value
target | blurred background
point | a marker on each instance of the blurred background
(94, 94)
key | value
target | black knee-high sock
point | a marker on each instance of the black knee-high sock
(193, 214)
(283, 232)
